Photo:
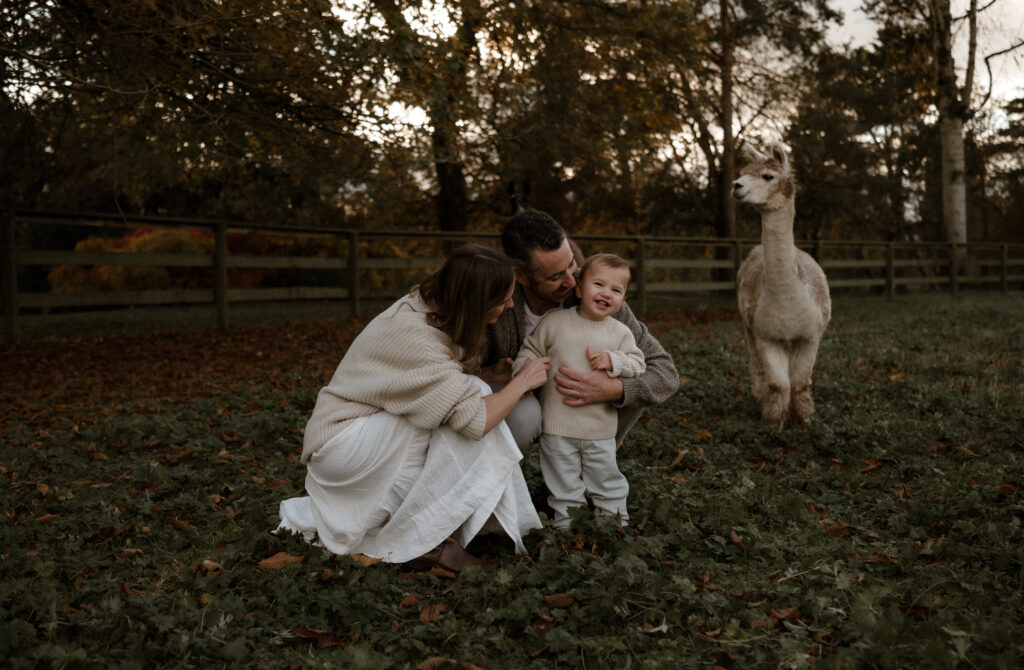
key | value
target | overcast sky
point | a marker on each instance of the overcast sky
(1000, 26)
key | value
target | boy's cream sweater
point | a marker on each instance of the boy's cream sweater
(564, 335)
(402, 365)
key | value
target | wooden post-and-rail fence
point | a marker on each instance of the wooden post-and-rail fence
(377, 264)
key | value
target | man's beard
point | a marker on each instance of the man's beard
(555, 297)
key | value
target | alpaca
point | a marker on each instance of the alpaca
(782, 292)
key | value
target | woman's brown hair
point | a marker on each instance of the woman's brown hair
(473, 280)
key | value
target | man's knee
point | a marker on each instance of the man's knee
(524, 420)
(628, 416)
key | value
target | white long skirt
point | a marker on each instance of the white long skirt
(385, 488)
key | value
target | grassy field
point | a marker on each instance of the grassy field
(141, 475)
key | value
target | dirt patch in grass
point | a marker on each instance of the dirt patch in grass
(44, 377)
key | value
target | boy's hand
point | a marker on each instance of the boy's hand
(599, 360)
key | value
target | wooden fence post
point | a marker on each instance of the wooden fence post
(737, 261)
(954, 269)
(890, 270)
(641, 276)
(220, 274)
(9, 280)
(353, 272)
(1004, 270)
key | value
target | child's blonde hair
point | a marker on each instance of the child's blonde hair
(608, 261)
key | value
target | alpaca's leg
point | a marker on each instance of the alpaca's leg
(775, 402)
(801, 365)
(758, 382)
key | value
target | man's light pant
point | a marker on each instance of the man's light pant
(574, 468)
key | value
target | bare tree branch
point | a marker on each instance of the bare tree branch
(972, 48)
(979, 10)
(988, 68)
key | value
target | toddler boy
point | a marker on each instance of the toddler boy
(577, 445)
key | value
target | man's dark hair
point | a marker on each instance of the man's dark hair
(527, 231)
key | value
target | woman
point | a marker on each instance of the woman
(406, 456)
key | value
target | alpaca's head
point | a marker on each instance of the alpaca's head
(766, 182)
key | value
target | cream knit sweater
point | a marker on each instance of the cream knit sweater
(564, 335)
(402, 365)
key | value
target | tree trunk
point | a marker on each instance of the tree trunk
(726, 223)
(443, 82)
(954, 182)
(897, 199)
(452, 199)
(954, 110)
(451, 181)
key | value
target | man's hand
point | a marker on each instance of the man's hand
(599, 360)
(585, 388)
(499, 373)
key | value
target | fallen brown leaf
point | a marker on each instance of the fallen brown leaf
(410, 600)
(278, 484)
(560, 600)
(735, 539)
(781, 614)
(432, 613)
(209, 567)
(840, 529)
(323, 638)
(874, 558)
(328, 575)
(439, 663)
(279, 560)
(441, 572)
(543, 623)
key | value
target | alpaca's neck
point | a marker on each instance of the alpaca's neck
(779, 250)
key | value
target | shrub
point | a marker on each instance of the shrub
(77, 278)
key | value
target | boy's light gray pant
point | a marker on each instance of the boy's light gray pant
(575, 468)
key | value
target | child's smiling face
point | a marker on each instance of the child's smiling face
(601, 291)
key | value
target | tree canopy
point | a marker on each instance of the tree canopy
(621, 116)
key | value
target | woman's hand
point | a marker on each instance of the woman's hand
(534, 373)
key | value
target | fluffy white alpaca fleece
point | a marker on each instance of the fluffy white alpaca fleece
(782, 292)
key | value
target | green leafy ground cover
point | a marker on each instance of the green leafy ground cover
(141, 476)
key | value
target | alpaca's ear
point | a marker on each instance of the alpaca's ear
(779, 153)
(750, 154)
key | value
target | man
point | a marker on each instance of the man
(544, 262)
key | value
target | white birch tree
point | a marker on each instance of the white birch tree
(956, 100)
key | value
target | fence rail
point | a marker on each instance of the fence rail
(350, 265)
